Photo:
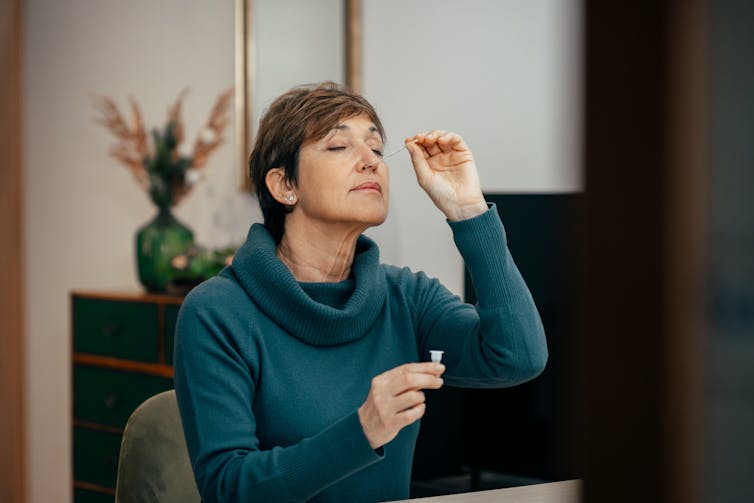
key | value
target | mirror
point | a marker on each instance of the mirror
(283, 44)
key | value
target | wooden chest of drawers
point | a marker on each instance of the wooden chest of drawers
(122, 355)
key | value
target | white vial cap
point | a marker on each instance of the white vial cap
(436, 355)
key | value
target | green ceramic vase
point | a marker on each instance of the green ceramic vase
(157, 242)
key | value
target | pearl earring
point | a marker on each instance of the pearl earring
(290, 198)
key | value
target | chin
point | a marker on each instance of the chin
(376, 223)
(373, 219)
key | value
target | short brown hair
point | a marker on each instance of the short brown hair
(305, 113)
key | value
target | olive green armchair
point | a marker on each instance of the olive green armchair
(154, 463)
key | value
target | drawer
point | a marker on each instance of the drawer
(84, 496)
(121, 329)
(95, 456)
(108, 397)
(171, 314)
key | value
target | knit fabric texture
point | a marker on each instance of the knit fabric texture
(270, 372)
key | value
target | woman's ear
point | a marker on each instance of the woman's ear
(280, 187)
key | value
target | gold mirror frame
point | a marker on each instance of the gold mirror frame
(244, 64)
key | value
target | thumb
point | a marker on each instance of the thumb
(418, 158)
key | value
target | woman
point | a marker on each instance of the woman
(299, 368)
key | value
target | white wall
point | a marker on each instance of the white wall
(502, 73)
(295, 41)
(82, 206)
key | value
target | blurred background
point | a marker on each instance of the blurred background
(615, 137)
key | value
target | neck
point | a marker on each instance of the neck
(318, 254)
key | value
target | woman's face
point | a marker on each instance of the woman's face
(341, 178)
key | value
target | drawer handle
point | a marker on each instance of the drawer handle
(111, 401)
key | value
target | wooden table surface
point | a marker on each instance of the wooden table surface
(567, 491)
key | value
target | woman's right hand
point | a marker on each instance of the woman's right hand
(396, 400)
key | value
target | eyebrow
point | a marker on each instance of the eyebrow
(372, 129)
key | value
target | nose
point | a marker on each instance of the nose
(370, 160)
(371, 165)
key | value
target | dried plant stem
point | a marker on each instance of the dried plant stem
(174, 114)
(136, 149)
(132, 147)
(217, 122)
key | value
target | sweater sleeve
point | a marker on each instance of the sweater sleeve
(215, 387)
(497, 343)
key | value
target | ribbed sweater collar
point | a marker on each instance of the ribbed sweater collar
(273, 288)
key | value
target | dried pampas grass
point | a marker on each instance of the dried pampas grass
(144, 154)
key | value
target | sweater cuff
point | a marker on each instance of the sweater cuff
(482, 242)
(341, 450)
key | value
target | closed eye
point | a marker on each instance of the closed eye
(378, 152)
(334, 149)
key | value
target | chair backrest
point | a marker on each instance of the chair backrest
(154, 463)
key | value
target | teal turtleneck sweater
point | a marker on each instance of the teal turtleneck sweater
(270, 372)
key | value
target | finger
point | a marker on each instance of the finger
(407, 381)
(433, 135)
(421, 367)
(384, 380)
(421, 137)
(410, 416)
(443, 142)
(413, 146)
(407, 400)
(419, 158)
(430, 142)
(434, 150)
(450, 142)
(428, 146)
(446, 141)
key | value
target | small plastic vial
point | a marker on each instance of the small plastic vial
(436, 355)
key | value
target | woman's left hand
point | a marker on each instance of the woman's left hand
(445, 169)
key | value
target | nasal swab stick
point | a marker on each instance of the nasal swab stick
(391, 154)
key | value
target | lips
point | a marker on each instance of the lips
(369, 186)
